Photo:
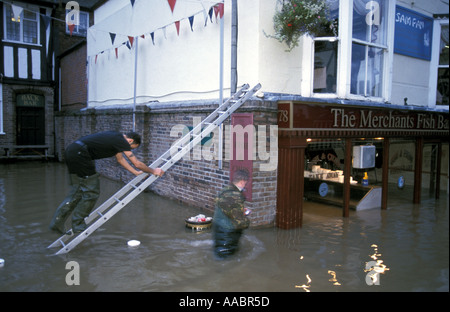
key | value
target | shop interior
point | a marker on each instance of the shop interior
(324, 172)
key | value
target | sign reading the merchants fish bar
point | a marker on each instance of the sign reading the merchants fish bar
(329, 117)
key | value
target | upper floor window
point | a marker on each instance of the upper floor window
(443, 75)
(24, 27)
(369, 47)
(82, 27)
(352, 63)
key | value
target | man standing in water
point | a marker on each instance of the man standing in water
(80, 160)
(230, 216)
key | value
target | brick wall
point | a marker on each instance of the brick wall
(193, 182)
(73, 79)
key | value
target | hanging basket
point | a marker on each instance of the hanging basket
(300, 17)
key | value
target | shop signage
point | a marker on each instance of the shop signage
(30, 100)
(312, 116)
(413, 33)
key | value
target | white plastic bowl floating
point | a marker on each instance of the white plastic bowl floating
(133, 243)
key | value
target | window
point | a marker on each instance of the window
(325, 55)
(442, 78)
(369, 47)
(23, 28)
(354, 62)
(81, 29)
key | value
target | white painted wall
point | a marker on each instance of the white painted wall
(186, 67)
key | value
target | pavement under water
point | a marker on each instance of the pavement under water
(404, 248)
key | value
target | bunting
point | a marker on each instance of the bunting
(71, 28)
(17, 11)
(113, 37)
(216, 10)
(172, 4)
(177, 25)
(191, 22)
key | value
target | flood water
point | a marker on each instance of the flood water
(409, 245)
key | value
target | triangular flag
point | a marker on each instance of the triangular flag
(128, 45)
(153, 37)
(17, 10)
(143, 36)
(132, 2)
(71, 28)
(96, 59)
(221, 10)
(177, 25)
(113, 37)
(46, 20)
(205, 16)
(117, 53)
(131, 39)
(216, 10)
(191, 21)
(172, 4)
(164, 32)
(210, 13)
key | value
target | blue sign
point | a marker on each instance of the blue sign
(413, 33)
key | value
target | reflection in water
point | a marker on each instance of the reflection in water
(333, 278)
(307, 286)
(375, 267)
(329, 250)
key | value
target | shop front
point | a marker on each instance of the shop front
(355, 155)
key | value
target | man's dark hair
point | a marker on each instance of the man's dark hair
(240, 175)
(136, 137)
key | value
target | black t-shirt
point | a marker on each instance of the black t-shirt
(105, 144)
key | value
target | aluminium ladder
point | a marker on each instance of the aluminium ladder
(126, 194)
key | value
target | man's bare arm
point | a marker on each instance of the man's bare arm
(141, 166)
(124, 163)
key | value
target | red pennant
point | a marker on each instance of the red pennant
(172, 4)
(117, 53)
(71, 28)
(177, 25)
(131, 39)
(220, 9)
(96, 59)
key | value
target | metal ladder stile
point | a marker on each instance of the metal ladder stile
(126, 194)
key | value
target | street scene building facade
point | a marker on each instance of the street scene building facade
(347, 116)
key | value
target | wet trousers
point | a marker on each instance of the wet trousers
(226, 242)
(84, 192)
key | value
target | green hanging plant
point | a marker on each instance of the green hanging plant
(299, 17)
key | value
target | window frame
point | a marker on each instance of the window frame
(76, 29)
(434, 63)
(30, 9)
(344, 56)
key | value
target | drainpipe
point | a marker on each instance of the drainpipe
(234, 38)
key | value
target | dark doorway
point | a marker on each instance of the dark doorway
(30, 120)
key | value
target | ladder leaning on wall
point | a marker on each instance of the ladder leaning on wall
(126, 194)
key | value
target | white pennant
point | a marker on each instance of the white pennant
(17, 10)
